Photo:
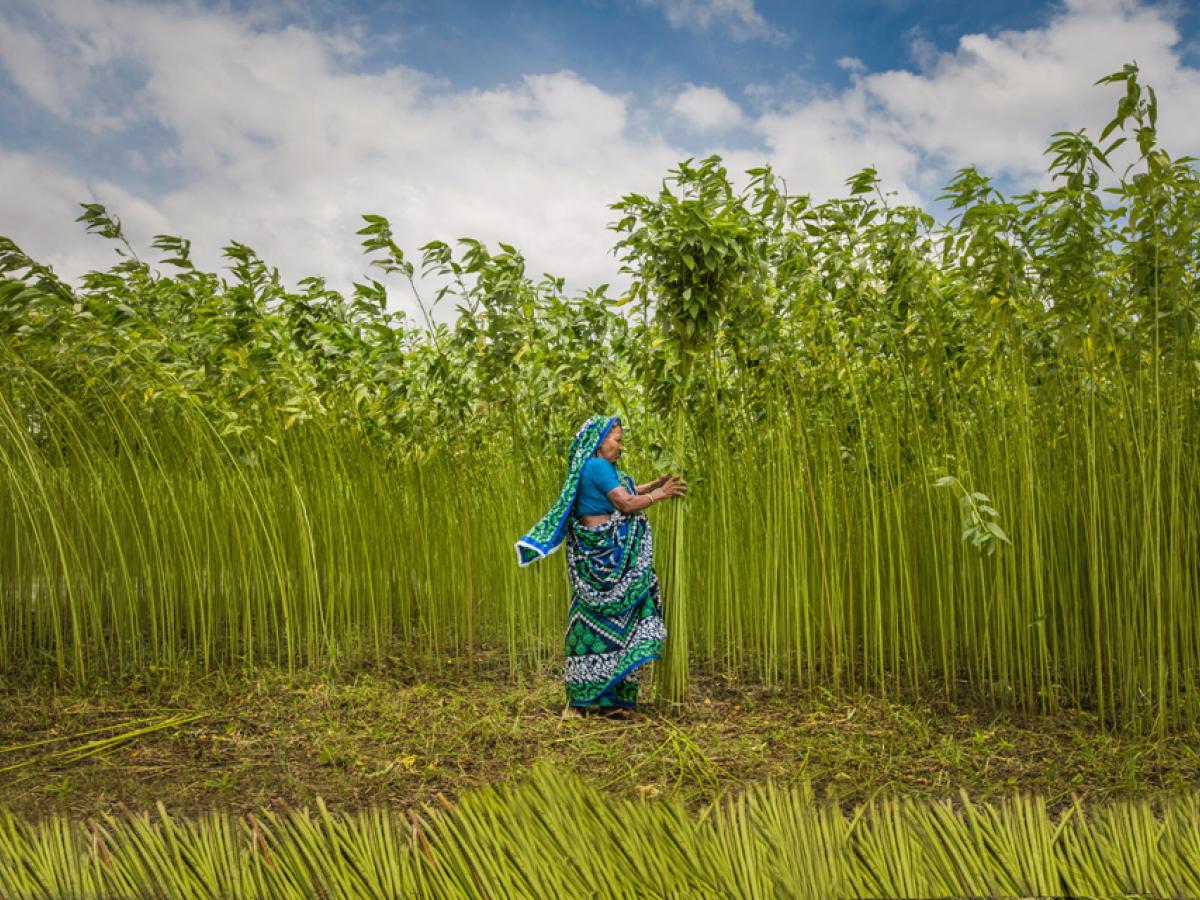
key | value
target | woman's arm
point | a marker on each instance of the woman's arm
(629, 503)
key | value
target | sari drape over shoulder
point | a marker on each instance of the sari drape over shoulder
(614, 621)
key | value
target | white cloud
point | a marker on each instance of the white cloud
(744, 21)
(819, 145)
(706, 109)
(993, 101)
(28, 62)
(42, 198)
(65, 70)
(278, 146)
(922, 50)
(996, 100)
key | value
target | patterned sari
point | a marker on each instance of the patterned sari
(614, 622)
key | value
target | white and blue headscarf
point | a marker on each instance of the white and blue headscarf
(547, 535)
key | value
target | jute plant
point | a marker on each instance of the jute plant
(553, 835)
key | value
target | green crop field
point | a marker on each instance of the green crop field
(947, 459)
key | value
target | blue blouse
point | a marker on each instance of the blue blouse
(599, 476)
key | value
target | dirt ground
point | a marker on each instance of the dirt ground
(398, 736)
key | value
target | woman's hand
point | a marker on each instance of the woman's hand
(672, 486)
(669, 486)
(653, 485)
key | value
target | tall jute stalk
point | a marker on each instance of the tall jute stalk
(691, 252)
(672, 673)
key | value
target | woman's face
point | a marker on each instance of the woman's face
(610, 447)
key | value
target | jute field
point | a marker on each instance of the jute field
(931, 598)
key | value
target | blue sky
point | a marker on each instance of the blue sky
(278, 123)
(625, 45)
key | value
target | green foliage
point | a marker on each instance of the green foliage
(981, 527)
(694, 253)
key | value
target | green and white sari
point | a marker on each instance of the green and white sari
(614, 622)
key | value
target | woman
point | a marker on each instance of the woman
(614, 624)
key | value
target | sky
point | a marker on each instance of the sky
(278, 123)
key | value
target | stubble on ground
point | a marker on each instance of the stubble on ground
(400, 736)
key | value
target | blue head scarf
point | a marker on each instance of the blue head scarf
(547, 535)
